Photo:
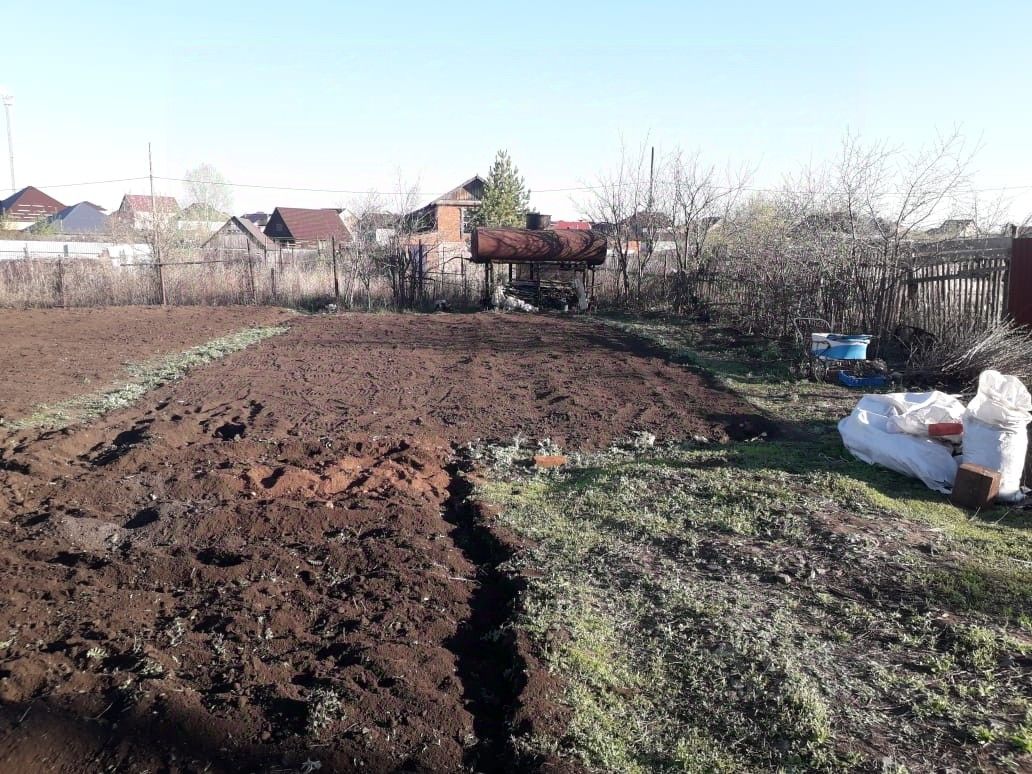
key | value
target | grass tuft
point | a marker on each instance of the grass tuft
(144, 377)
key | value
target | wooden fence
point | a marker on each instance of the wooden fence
(863, 287)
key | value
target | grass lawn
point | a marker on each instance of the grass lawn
(769, 605)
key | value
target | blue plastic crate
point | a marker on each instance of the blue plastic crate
(862, 382)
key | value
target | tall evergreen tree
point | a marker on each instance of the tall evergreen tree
(506, 197)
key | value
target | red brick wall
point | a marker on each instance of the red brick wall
(449, 223)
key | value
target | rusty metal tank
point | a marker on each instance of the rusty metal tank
(520, 245)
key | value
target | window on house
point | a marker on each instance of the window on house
(468, 219)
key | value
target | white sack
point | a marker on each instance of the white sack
(996, 430)
(510, 303)
(915, 414)
(866, 435)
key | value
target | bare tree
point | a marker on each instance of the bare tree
(371, 232)
(990, 215)
(206, 186)
(397, 254)
(616, 203)
(697, 200)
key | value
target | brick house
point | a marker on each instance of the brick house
(137, 211)
(443, 227)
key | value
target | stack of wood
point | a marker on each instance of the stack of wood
(549, 293)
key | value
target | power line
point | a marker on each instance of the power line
(597, 187)
(351, 191)
(94, 182)
(566, 189)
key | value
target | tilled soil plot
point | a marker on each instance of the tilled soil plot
(50, 355)
(267, 565)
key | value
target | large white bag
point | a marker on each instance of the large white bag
(871, 434)
(996, 430)
(914, 414)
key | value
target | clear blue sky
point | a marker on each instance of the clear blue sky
(346, 95)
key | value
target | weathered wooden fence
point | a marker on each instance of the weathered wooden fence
(928, 285)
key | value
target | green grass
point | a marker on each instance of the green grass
(143, 377)
(770, 606)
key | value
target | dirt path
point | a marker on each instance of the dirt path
(269, 563)
(50, 355)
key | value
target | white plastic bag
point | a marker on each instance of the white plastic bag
(866, 434)
(996, 430)
(915, 411)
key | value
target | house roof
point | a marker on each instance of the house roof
(258, 218)
(305, 225)
(81, 218)
(578, 225)
(254, 232)
(951, 226)
(29, 203)
(248, 228)
(469, 192)
(142, 203)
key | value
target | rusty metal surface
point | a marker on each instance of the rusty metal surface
(519, 245)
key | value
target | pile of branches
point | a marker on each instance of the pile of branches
(962, 352)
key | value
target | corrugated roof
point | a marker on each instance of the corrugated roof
(81, 218)
(29, 203)
(254, 232)
(304, 225)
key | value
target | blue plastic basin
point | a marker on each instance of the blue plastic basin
(845, 347)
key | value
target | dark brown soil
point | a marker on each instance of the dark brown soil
(50, 355)
(271, 561)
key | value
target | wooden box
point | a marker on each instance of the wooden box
(975, 486)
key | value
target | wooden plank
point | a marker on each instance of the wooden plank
(986, 255)
(943, 274)
(973, 243)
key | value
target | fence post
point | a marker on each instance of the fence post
(60, 281)
(333, 259)
(421, 275)
(250, 275)
(272, 277)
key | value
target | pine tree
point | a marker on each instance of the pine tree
(506, 197)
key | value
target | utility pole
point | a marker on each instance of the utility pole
(8, 100)
(154, 228)
(650, 218)
(652, 175)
